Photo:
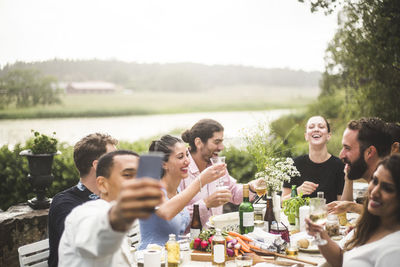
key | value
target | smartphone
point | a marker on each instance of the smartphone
(150, 165)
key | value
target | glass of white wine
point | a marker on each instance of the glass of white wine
(318, 215)
(261, 187)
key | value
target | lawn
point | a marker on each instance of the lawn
(138, 103)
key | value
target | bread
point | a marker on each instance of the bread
(303, 243)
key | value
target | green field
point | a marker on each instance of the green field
(139, 103)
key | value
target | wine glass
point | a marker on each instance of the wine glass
(221, 181)
(318, 215)
(261, 187)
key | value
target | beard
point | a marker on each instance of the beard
(357, 168)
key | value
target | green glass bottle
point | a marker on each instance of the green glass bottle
(294, 191)
(246, 213)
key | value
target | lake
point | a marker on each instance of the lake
(132, 128)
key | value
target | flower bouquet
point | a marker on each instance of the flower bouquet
(277, 171)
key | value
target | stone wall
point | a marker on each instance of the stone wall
(20, 225)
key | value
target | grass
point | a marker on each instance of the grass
(236, 98)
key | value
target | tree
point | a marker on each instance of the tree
(26, 88)
(363, 59)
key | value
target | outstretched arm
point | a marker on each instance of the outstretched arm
(172, 207)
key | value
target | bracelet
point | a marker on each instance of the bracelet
(200, 183)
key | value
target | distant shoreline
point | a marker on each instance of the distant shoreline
(153, 103)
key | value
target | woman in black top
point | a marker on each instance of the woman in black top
(319, 170)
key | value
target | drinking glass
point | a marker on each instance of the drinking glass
(221, 181)
(261, 187)
(318, 215)
(244, 261)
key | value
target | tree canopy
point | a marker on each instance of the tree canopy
(26, 88)
(363, 59)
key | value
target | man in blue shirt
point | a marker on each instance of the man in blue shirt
(86, 154)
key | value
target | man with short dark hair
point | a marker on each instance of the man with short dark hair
(95, 232)
(365, 142)
(86, 154)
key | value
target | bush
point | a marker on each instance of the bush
(14, 187)
(240, 164)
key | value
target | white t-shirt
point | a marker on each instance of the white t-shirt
(382, 253)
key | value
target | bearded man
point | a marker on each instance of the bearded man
(365, 143)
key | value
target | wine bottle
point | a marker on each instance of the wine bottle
(218, 249)
(246, 213)
(294, 191)
(269, 216)
(195, 226)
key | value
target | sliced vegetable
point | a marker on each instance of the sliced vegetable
(245, 247)
(229, 245)
(230, 252)
(237, 246)
(240, 236)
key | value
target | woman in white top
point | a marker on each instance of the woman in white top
(376, 237)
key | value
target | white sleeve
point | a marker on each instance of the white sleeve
(390, 258)
(90, 231)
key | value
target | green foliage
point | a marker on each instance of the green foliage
(180, 77)
(263, 145)
(13, 182)
(292, 205)
(363, 59)
(42, 144)
(240, 164)
(14, 185)
(27, 88)
(141, 146)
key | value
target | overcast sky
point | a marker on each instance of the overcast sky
(261, 33)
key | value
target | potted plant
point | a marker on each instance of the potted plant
(292, 205)
(40, 151)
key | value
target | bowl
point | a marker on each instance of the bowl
(226, 222)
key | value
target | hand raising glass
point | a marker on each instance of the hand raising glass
(318, 216)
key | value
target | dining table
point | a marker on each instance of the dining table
(312, 256)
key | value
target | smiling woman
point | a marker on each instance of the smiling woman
(172, 217)
(375, 239)
(319, 170)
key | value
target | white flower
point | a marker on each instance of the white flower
(278, 171)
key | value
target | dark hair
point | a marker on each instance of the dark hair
(106, 162)
(204, 129)
(90, 148)
(368, 223)
(328, 127)
(394, 131)
(372, 132)
(165, 145)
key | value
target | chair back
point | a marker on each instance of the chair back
(134, 234)
(34, 254)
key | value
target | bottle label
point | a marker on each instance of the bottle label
(219, 253)
(194, 233)
(248, 219)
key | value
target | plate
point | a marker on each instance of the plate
(310, 249)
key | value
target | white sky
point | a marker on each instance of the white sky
(262, 33)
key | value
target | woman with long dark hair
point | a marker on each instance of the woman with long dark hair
(172, 217)
(375, 241)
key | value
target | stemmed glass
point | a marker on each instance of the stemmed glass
(261, 187)
(221, 181)
(318, 215)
